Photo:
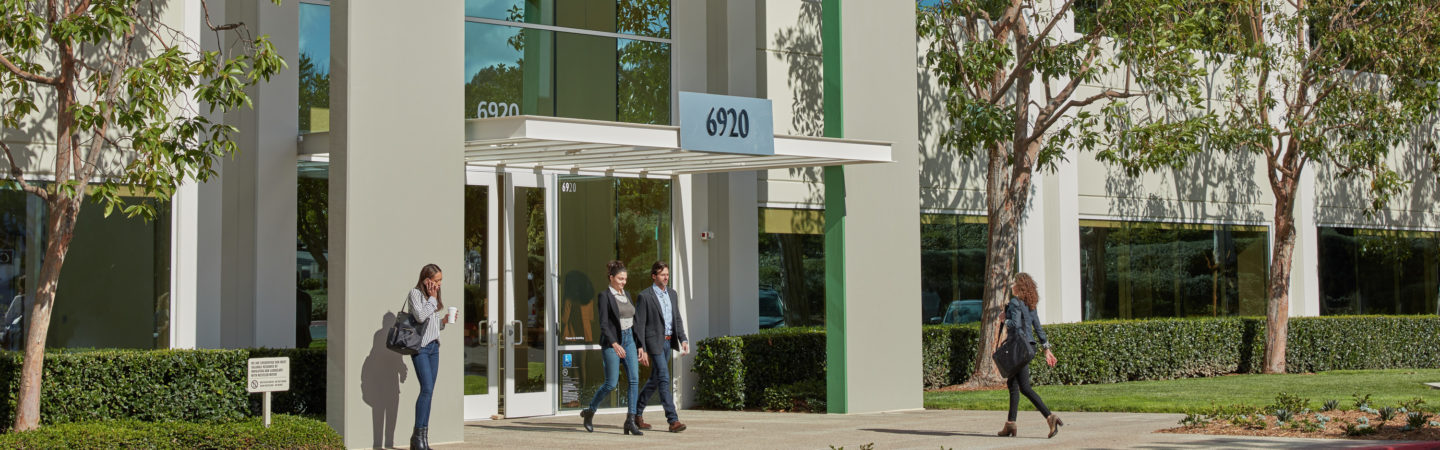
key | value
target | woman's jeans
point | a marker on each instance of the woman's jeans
(612, 372)
(427, 365)
(1020, 384)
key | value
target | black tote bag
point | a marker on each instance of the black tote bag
(405, 335)
(1013, 353)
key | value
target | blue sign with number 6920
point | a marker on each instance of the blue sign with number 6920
(726, 124)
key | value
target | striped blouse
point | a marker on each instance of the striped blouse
(422, 308)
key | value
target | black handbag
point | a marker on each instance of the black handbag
(1014, 353)
(405, 335)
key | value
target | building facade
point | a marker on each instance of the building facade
(521, 144)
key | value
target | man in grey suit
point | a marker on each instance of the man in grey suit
(659, 329)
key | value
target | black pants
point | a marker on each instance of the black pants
(1020, 384)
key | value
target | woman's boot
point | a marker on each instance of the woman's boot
(415, 439)
(1009, 429)
(630, 427)
(589, 416)
(425, 438)
(1055, 424)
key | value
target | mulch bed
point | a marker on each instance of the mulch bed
(1334, 429)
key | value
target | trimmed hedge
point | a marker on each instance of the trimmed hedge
(735, 371)
(307, 382)
(285, 432)
(149, 385)
(160, 385)
(1090, 352)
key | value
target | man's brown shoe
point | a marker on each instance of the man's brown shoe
(676, 427)
(641, 423)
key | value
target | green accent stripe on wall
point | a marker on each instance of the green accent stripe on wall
(836, 377)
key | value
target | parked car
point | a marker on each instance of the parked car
(963, 311)
(930, 307)
(772, 310)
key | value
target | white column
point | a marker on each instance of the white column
(1305, 271)
(396, 203)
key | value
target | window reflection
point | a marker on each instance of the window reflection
(650, 18)
(792, 267)
(312, 262)
(314, 66)
(1132, 270)
(952, 267)
(1379, 271)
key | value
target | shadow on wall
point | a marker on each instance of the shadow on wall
(1343, 201)
(944, 173)
(801, 51)
(380, 378)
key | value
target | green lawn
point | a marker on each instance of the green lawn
(1386, 387)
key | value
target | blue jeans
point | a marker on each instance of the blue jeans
(659, 379)
(612, 371)
(427, 367)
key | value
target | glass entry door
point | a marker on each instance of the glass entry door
(527, 257)
(509, 331)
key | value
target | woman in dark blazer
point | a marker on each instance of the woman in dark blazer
(1020, 318)
(617, 337)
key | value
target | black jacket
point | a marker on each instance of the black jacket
(610, 318)
(650, 322)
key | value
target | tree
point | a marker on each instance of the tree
(1012, 75)
(1330, 82)
(119, 83)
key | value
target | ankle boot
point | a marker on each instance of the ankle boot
(630, 427)
(425, 438)
(589, 416)
(415, 440)
(1009, 429)
(1055, 424)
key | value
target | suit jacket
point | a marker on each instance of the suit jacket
(1021, 319)
(650, 322)
(610, 318)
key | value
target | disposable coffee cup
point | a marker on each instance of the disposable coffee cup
(453, 315)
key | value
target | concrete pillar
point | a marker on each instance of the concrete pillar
(734, 306)
(880, 367)
(257, 264)
(691, 266)
(396, 136)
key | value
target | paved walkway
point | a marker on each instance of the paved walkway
(914, 429)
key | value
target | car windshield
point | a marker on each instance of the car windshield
(769, 306)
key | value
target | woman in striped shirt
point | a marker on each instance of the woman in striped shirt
(426, 305)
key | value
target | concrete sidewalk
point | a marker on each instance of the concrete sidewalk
(913, 429)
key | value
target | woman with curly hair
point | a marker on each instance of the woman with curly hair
(1020, 318)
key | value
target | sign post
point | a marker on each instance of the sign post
(268, 375)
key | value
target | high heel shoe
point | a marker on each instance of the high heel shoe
(1009, 429)
(630, 427)
(589, 416)
(1055, 424)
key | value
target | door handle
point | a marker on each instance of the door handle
(484, 330)
(518, 330)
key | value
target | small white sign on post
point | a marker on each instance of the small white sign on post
(268, 375)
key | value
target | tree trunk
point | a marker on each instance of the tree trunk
(1277, 313)
(61, 226)
(1007, 187)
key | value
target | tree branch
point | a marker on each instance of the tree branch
(24, 74)
(19, 174)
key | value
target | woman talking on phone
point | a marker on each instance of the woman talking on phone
(426, 305)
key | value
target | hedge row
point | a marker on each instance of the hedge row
(159, 385)
(288, 432)
(735, 371)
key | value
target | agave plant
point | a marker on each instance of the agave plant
(1330, 405)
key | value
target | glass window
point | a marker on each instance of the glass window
(1134, 270)
(513, 70)
(952, 267)
(114, 288)
(650, 18)
(792, 267)
(602, 219)
(1365, 271)
(312, 264)
(314, 68)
